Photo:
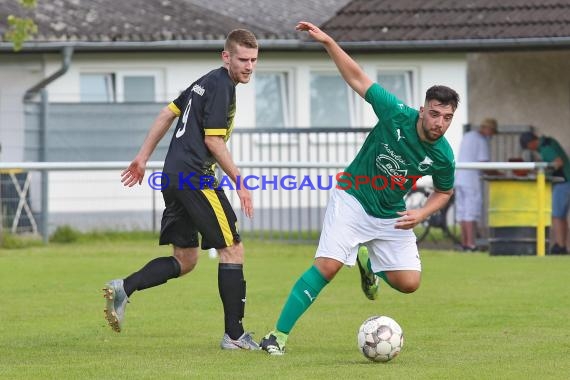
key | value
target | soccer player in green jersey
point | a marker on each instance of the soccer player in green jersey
(366, 221)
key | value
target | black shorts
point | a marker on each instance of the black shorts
(189, 212)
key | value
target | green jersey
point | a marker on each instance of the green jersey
(393, 158)
(549, 150)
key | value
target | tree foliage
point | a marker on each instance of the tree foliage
(21, 28)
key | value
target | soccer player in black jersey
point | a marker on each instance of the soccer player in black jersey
(195, 204)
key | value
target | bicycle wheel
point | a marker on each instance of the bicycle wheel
(416, 199)
(450, 227)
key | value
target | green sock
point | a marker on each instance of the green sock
(304, 292)
(382, 275)
(369, 265)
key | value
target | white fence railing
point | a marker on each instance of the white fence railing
(120, 165)
(298, 211)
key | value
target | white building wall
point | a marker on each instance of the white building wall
(522, 88)
(178, 71)
(17, 74)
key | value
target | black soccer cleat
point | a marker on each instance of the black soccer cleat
(270, 344)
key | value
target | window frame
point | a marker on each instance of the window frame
(118, 91)
(287, 81)
(110, 85)
(411, 81)
(288, 106)
(351, 98)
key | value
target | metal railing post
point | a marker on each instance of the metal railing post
(153, 213)
(541, 222)
(45, 172)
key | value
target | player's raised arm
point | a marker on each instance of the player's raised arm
(349, 69)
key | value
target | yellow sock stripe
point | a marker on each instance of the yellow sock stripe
(220, 215)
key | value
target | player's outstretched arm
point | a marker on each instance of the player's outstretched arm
(349, 69)
(135, 172)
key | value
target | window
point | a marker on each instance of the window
(332, 101)
(119, 87)
(272, 108)
(138, 88)
(97, 87)
(397, 82)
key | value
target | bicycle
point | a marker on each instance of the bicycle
(443, 219)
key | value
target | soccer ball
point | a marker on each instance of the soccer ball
(380, 339)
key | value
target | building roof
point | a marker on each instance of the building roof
(279, 16)
(421, 21)
(166, 20)
(408, 25)
(132, 20)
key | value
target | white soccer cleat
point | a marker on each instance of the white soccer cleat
(117, 300)
(244, 342)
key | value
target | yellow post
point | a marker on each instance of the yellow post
(541, 222)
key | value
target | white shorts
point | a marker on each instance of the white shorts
(468, 203)
(347, 226)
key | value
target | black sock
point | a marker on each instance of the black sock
(155, 272)
(232, 292)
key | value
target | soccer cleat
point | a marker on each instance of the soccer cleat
(270, 344)
(244, 342)
(117, 300)
(368, 280)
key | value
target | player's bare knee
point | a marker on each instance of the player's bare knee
(328, 267)
(404, 281)
(232, 254)
(187, 258)
(408, 287)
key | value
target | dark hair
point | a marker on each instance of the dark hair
(443, 94)
(240, 37)
(525, 138)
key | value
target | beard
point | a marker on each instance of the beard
(429, 135)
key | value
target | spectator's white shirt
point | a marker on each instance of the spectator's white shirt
(474, 148)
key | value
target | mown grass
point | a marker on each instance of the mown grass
(474, 317)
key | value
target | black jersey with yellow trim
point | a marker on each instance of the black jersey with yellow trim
(206, 108)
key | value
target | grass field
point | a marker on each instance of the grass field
(474, 317)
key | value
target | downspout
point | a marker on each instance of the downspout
(67, 52)
(40, 88)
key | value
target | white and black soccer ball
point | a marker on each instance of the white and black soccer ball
(380, 339)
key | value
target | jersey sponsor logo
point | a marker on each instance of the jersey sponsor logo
(182, 129)
(425, 164)
(198, 89)
(390, 166)
(394, 155)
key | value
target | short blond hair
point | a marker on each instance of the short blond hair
(490, 122)
(240, 37)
